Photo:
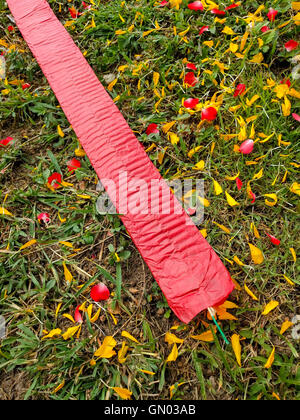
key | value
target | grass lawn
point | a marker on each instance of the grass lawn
(238, 58)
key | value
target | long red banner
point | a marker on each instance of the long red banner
(190, 274)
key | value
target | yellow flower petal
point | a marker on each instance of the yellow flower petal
(228, 31)
(106, 349)
(256, 254)
(217, 187)
(232, 178)
(288, 280)
(67, 273)
(236, 345)
(124, 393)
(295, 188)
(207, 336)
(230, 200)
(167, 127)
(58, 309)
(53, 333)
(5, 212)
(129, 336)
(60, 132)
(59, 387)
(67, 244)
(252, 100)
(28, 244)
(122, 353)
(173, 138)
(173, 355)
(204, 201)
(172, 339)
(69, 317)
(285, 326)
(200, 165)
(238, 261)
(250, 293)
(270, 359)
(111, 85)
(203, 233)
(286, 107)
(257, 59)
(222, 227)
(274, 199)
(71, 332)
(148, 372)
(293, 254)
(270, 306)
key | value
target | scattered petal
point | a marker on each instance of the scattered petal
(152, 129)
(274, 199)
(122, 353)
(77, 316)
(207, 336)
(274, 240)
(5, 212)
(217, 188)
(256, 254)
(106, 351)
(172, 339)
(285, 326)
(270, 360)
(55, 180)
(190, 79)
(250, 293)
(196, 5)
(270, 306)
(68, 275)
(71, 332)
(239, 90)
(272, 14)
(209, 114)
(28, 244)
(203, 29)
(239, 183)
(247, 147)
(173, 355)
(73, 165)
(5, 141)
(190, 103)
(124, 393)
(129, 336)
(100, 292)
(236, 345)
(44, 217)
(291, 45)
(230, 200)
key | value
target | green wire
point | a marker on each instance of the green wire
(219, 328)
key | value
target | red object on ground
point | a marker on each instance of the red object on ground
(191, 103)
(6, 141)
(189, 272)
(73, 165)
(209, 113)
(291, 45)
(247, 147)
(100, 292)
(239, 89)
(44, 217)
(55, 180)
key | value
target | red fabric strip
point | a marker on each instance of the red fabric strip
(190, 274)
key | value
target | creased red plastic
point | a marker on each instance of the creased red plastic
(190, 274)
